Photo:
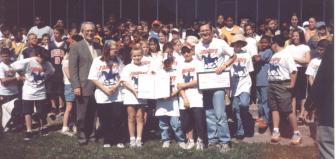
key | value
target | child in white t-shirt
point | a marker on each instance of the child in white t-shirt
(8, 89)
(314, 64)
(241, 83)
(312, 69)
(105, 74)
(69, 97)
(135, 106)
(36, 71)
(167, 110)
(192, 113)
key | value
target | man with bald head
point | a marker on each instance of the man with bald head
(80, 60)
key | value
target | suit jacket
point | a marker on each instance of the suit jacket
(80, 60)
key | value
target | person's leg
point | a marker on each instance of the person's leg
(236, 111)
(244, 105)
(264, 103)
(210, 117)
(131, 111)
(81, 110)
(27, 110)
(220, 113)
(117, 122)
(176, 126)
(259, 102)
(104, 115)
(164, 126)
(139, 122)
(200, 124)
(67, 115)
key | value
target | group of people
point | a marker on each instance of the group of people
(94, 70)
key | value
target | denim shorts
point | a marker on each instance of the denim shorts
(69, 93)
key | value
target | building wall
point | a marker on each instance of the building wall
(21, 12)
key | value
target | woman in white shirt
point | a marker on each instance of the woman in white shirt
(105, 74)
(301, 55)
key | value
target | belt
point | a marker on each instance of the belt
(279, 82)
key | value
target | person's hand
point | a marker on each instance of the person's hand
(77, 91)
(220, 69)
(290, 87)
(180, 86)
(186, 103)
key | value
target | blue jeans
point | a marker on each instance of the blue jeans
(217, 124)
(263, 108)
(240, 103)
(174, 122)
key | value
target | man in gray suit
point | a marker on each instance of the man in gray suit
(80, 60)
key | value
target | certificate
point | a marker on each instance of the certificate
(212, 81)
(153, 86)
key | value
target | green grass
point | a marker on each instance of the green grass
(59, 146)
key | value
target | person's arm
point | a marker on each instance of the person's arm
(293, 76)
(182, 86)
(74, 70)
(107, 90)
(185, 99)
(226, 64)
(305, 60)
(130, 88)
(310, 80)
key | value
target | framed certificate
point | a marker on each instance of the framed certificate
(153, 86)
(212, 81)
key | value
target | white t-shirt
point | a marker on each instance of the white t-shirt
(298, 52)
(65, 63)
(146, 60)
(281, 66)
(170, 106)
(108, 74)
(187, 71)
(177, 59)
(5, 72)
(41, 31)
(213, 54)
(130, 74)
(35, 74)
(240, 69)
(251, 46)
(313, 67)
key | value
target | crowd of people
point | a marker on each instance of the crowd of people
(89, 74)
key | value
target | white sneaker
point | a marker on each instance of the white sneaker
(166, 144)
(67, 132)
(120, 145)
(106, 145)
(199, 145)
(74, 129)
(190, 145)
(138, 143)
(132, 144)
(182, 145)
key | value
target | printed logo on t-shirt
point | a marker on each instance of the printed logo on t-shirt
(37, 73)
(57, 56)
(188, 74)
(239, 67)
(9, 73)
(145, 62)
(274, 67)
(110, 77)
(209, 61)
